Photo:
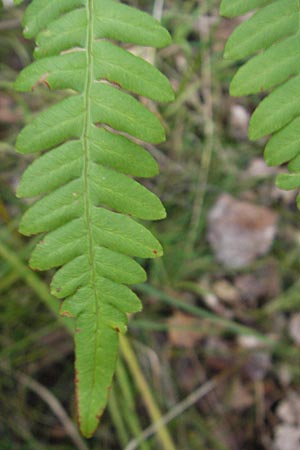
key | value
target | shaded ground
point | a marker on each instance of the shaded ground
(218, 340)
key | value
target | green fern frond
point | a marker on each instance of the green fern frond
(87, 193)
(271, 35)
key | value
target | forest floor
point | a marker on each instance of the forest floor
(218, 339)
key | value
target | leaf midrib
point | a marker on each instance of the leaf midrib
(86, 139)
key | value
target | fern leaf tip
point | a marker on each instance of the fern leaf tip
(255, 130)
(157, 252)
(162, 213)
(23, 230)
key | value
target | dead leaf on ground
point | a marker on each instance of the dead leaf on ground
(213, 302)
(183, 330)
(204, 23)
(8, 112)
(288, 409)
(294, 328)
(287, 438)
(239, 121)
(262, 284)
(258, 365)
(287, 197)
(189, 371)
(241, 397)
(259, 169)
(287, 433)
(226, 292)
(239, 232)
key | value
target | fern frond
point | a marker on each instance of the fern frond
(273, 33)
(87, 193)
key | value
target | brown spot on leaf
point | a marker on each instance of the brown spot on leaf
(67, 314)
(111, 83)
(43, 81)
(184, 331)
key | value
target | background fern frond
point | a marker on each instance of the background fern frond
(273, 31)
(87, 195)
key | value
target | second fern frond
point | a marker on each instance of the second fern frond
(273, 31)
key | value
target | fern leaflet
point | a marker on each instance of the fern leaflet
(87, 193)
(273, 31)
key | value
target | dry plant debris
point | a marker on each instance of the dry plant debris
(239, 232)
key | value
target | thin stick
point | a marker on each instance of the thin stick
(178, 409)
(157, 13)
(158, 9)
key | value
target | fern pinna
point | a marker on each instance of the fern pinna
(273, 31)
(86, 180)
